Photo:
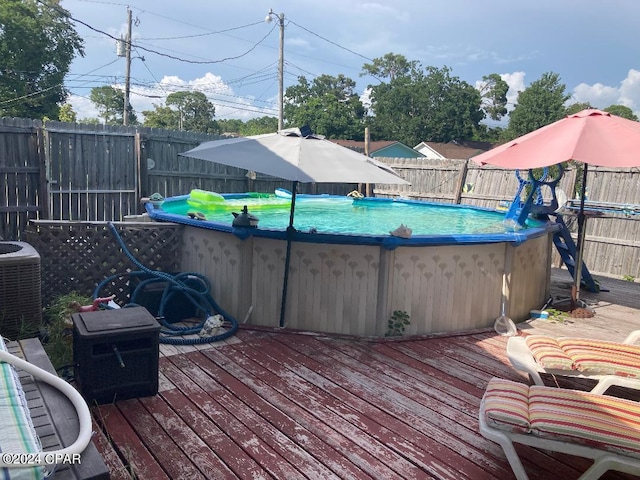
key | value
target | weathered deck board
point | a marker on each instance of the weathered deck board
(278, 404)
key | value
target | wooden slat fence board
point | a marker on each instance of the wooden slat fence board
(20, 184)
(98, 173)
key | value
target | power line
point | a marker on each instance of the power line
(173, 57)
(330, 41)
(202, 34)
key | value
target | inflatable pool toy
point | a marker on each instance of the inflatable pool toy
(283, 193)
(204, 200)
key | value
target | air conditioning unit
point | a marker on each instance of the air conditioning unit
(20, 290)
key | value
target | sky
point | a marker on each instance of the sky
(226, 50)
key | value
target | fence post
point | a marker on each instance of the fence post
(43, 165)
(462, 178)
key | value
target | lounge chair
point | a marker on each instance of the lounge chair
(599, 427)
(18, 435)
(609, 363)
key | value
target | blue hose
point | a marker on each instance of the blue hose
(194, 286)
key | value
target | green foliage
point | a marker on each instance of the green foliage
(494, 96)
(59, 342)
(391, 66)
(254, 126)
(38, 42)
(485, 133)
(232, 125)
(556, 315)
(622, 111)
(538, 105)
(196, 112)
(161, 117)
(258, 126)
(329, 105)
(430, 106)
(629, 278)
(577, 107)
(397, 323)
(67, 114)
(188, 111)
(109, 102)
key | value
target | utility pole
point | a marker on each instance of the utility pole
(280, 18)
(127, 80)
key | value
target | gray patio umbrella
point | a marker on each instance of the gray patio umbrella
(296, 155)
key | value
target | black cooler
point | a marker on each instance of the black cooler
(115, 353)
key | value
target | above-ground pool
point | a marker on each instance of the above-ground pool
(348, 274)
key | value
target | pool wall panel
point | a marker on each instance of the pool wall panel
(447, 288)
(354, 289)
(531, 276)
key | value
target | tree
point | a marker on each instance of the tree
(391, 66)
(109, 102)
(430, 106)
(161, 117)
(195, 111)
(258, 126)
(538, 105)
(37, 45)
(329, 105)
(621, 111)
(188, 111)
(493, 91)
(577, 107)
(67, 114)
(234, 125)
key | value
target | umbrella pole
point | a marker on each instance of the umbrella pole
(577, 276)
(287, 257)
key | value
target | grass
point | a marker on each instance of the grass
(59, 338)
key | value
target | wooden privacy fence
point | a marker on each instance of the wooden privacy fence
(61, 171)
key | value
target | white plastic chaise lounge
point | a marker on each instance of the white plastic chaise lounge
(603, 428)
(609, 363)
(22, 454)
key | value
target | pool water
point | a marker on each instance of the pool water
(343, 215)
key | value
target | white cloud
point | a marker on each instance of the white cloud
(83, 107)
(228, 105)
(630, 91)
(386, 11)
(598, 95)
(515, 81)
(297, 42)
(602, 96)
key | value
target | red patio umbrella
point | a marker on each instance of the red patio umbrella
(592, 137)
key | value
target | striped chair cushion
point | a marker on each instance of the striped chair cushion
(17, 433)
(506, 405)
(594, 357)
(599, 421)
(549, 353)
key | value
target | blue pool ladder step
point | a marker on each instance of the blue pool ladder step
(568, 251)
(533, 204)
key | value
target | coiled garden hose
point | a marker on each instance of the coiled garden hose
(194, 286)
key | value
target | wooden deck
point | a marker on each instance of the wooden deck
(276, 404)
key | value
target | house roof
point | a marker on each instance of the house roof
(382, 148)
(456, 151)
(359, 146)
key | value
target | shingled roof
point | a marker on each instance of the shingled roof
(359, 146)
(456, 151)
